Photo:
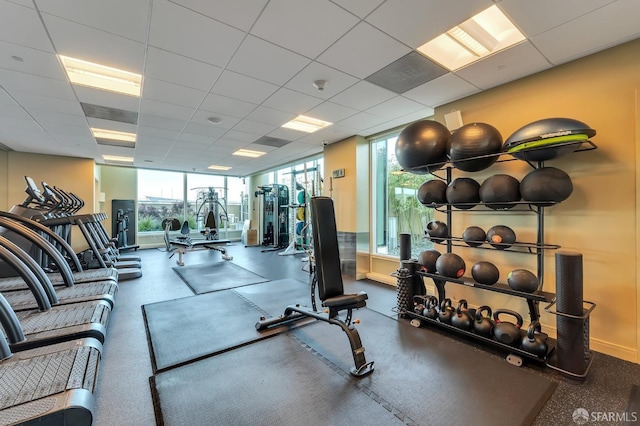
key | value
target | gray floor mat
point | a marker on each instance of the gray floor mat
(221, 275)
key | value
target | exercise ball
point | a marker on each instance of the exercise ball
(432, 192)
(523, 280)
(548, 138)
(485, 273)
(421, 147)
(428, 260)
(546, 184)
(501, 237)
(450, 265)
(300, 213)
(437, 231)
(474, 236)
(299, 227)
(474, 146)
(500, 191)
(302, 197)
(463, 190)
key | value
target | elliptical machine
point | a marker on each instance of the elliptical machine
(122, 227)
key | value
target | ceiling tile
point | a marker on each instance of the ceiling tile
(158, 122)
(266, 61)
(361, 121)
(79, 41)
(218, 104)
(13, 81)
(362, 95)
(396, 107)
(361, 8)
(307, 27)
(106, 16)
(240, 14)
(164, 109)
(535, 18)
(291, 101)
(244, 137)
(259, 129)
(159, 90)
(207, 130)
(331, 112)
(38, 62)
(286, 134)
(586, 34)
(170, 67)
(270, 116)
(363, 51)
(444, 89)
(413, 22)
(237, 86)
(13, 112)
(21, 25)
(510, 64)
(30, 100)
(104, 98)
(192, 34)
(336, 80)
(201, 118)
(154, 132)
(199, 139)
(43, 116)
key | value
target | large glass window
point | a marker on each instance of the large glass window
(160, 196)
(395, 208)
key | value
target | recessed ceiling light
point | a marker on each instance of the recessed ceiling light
(102, 77)
(249, 153)
(214, 120)
(306, 124)
(113, 134)
(214, 167)
(488, 32)
(118, 159)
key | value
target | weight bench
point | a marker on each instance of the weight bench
(327, 275)
(184, 244)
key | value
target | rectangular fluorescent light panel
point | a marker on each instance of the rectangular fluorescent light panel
(249, 153)
(118, 159)
(98, 76)
(113, 135)
(486, 33)
(306, 124)
(214, 167)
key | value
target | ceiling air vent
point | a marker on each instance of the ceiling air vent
(408, 72)
(113, 142)
(269, 141)
(107, 113)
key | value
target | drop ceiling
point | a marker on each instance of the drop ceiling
(252, 64)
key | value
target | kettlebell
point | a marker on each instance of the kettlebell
(534, 342)
(507, 332)
(461, 318)
(483, 325)
(446, 311)
(418, 305)
(430, 311)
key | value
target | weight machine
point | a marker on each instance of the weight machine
(275, 215)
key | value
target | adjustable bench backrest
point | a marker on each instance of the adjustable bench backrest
(325, 246)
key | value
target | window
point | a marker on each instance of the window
(395, 208)
(160, 196)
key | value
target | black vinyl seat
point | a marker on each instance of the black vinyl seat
(327, 276)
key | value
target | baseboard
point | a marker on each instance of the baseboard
(381, 278)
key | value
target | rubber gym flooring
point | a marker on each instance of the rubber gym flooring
(422, 376)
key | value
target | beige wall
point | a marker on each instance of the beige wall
(71, 174)
(117, 183)
(342, 155)
(4, 155)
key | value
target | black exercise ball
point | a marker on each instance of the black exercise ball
(437, 231)
(546, 184)
(501, 237)
(500, 191)
(432, 192)
(450, 265)
(422, 146)
(474, 146)
(463, 190)
(428, 260)
(485, 273)
(523, 280)
(474, 236)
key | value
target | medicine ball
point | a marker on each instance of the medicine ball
(463, 190)
(474, 140)
(474, 236)
(485, 273)
(500, 191)
(422, 146)
(450, 265)
(523, 280)
(501, 237)
(548, 138)
(428, 260)
(437, 231)
(546, 184)
(432, 192)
